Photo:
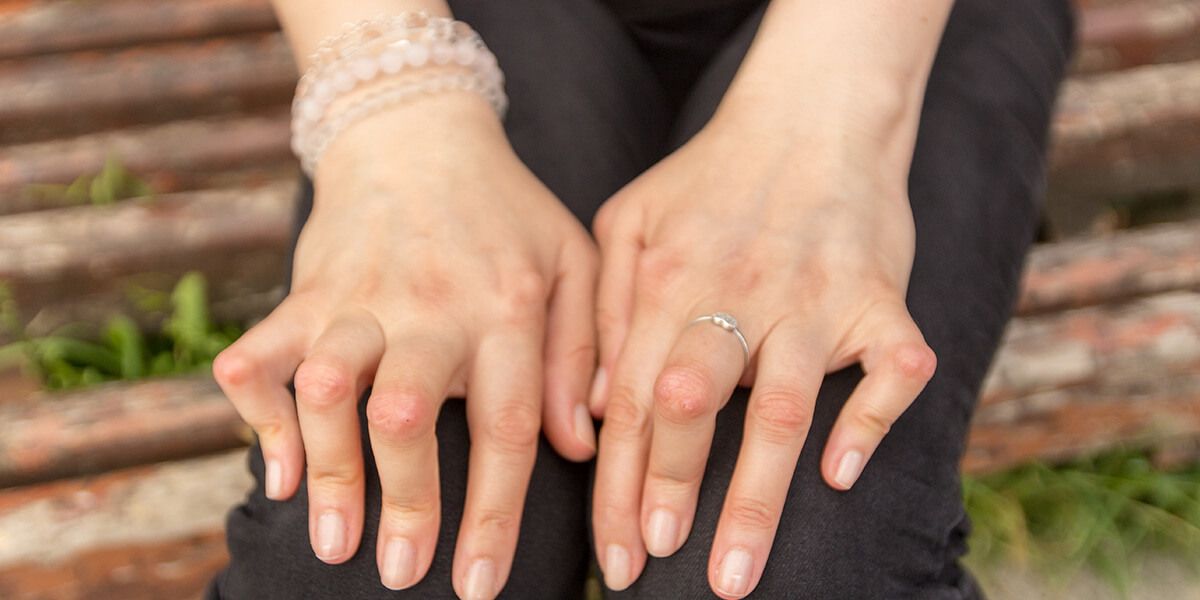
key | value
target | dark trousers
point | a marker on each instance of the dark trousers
(601, 91)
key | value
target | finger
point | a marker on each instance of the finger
(697, 379)
(328, 383)
(897, 364)
(254, 373)
(790, 370)
(619, 244)
(571, 355)
(504, 417)
(414, 376)
(624, 446)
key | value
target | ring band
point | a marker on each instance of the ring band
(726, 321)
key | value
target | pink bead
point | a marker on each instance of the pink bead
(442, 53)
(391, 61)
(417, 55)
(364, 68)
(465, 53)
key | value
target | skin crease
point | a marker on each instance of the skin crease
(461, 274)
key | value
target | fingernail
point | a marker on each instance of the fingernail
(663, 532)
(733, 576)
(481, 580)
(616, 567)
(274, 477)
(399, 564)
(849, 468)
(598, 382)
(331, 535)
(584, 430)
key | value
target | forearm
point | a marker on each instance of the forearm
(844, 76)
(307, 22)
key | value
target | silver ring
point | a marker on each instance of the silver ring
(726, 321)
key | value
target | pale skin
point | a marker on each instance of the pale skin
(463, 276)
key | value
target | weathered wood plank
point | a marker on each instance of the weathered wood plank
(78, 264)
(147, 533)
(1139, 32)
(61, 94)
(1122, 134)
(55, 436)
(1077, 381)
(180, 155)
(45, 26)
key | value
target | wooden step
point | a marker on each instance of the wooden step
(46, 26)
(1123, 134)
(181, 155)
(80, 92)
(1129, 33)
(140, 534)
(80, 264)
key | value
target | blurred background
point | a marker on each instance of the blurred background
(146, 190)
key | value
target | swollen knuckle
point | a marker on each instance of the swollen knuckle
(233, 367)
(522, 296)
(915, 361)
(658, 268)
(684, 394)
(781, 414)
(751, 513)
(322, 383)
(625, 416)
(608, 320)
(515, 428)
(400, 415)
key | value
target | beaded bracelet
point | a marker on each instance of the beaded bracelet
(391, 46)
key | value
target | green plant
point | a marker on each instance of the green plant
(1101, 513)
(188, 341)
(113, 183)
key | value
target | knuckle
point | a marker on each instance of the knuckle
(914, 360)
(602, 222)
(658, 269)
(608, 320)
(401, 415)
(321, 383)
(522, 295)
(751, 513)
(515, 428)
(408, 510)
(684, 394)
(611, 514)
(625, 416)
(781, 414)
(874, 420)
(495, 523)
(233, 367)
(333, 478)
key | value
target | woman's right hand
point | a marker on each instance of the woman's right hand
(433, 265)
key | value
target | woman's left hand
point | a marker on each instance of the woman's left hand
(810, 247)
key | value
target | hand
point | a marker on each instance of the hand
(808, 245)
(434, 264)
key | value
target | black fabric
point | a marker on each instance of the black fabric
(591, 108)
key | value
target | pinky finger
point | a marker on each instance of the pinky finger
(898, 363)
(254, 373)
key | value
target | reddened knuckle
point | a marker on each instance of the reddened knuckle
(658, 268)
(781, 414)
(323, 383)
(515, 427)
(523, 295)
(401, 415)
(914, 360)
(625, 416)
(751, 513)
(683, 394)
